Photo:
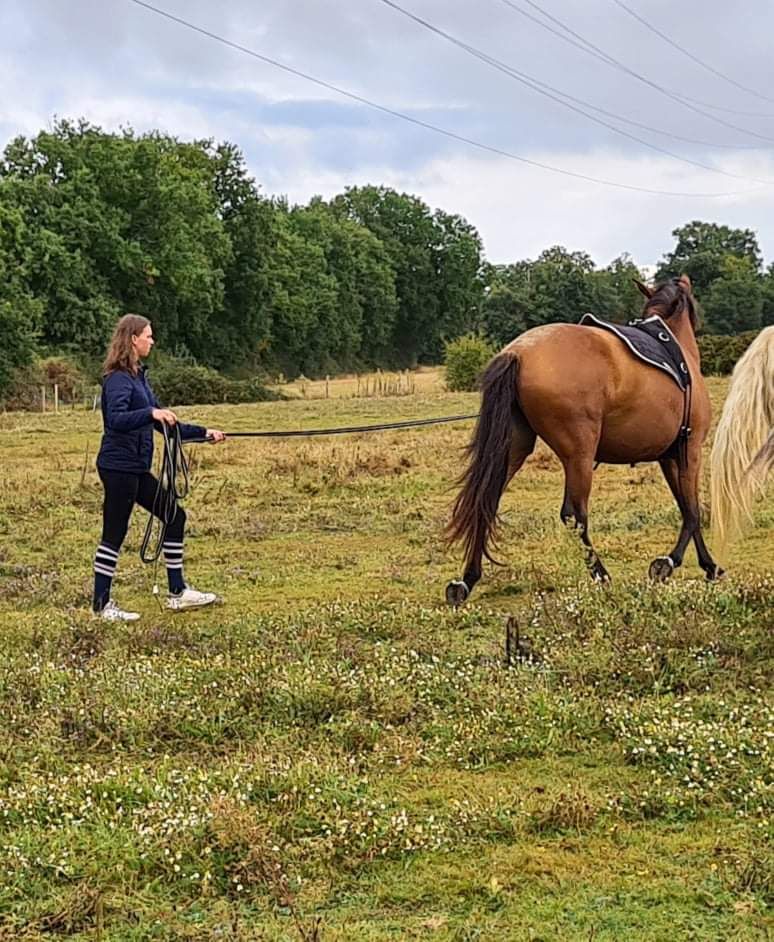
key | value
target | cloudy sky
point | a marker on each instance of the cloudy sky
(117, 63)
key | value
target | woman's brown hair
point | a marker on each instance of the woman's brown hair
(121, 355)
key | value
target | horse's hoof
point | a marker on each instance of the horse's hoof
(715, 574)
(661, 568)
(598, 573)
(456, 593)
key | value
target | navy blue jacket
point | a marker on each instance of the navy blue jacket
(127, 407)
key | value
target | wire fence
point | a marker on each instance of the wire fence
(53, 397)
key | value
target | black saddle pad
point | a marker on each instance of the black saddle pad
(651, 341)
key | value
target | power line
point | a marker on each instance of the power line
(610, 114)
(534, 84)
(593, 50)
(417, 121)
(690, 55)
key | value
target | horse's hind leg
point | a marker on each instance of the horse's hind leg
(711, 569)
(684, 485)
(578, 473)
(522, 445)
(662, 567)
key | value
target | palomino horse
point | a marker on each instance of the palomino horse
(590, 400)
(743, 451)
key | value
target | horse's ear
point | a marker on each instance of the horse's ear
(648, 292)
(685, 282)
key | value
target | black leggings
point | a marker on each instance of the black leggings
(122, 491)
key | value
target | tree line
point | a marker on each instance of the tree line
(725, 266)
(94, 224)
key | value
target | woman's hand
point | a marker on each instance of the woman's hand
(164, 415)
(215, 435)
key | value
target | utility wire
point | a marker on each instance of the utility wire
(690, 55)
(554, 94)
(424, 124)
(647, 127)
(612, 114)
(593, 50)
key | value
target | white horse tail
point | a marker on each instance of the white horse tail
(743, 451)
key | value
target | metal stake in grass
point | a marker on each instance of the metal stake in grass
(517, 648)
(511, 641)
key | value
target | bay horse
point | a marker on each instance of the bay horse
(743, 450)
(590, 400)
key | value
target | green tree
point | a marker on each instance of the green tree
(405, 227)
(19, 311)
(701, 249)
(734, 302)
(302, 298)
(558, 286)
(459, 267)
(119, 222)
(437, 262)
(507, 305)
(67, 231)
(617, 296)
(177, 247)
(373, 290)
(360, 328)
(561, 286)
(243, 331)
(767, 291)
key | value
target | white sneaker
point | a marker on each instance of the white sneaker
(111, 612)
(190, 598)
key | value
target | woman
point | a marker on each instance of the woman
(130, 411)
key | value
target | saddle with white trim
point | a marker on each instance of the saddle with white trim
(651, 341)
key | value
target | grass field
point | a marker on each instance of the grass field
(333, 754)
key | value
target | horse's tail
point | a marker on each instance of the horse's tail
(742, 455)
(474, 515)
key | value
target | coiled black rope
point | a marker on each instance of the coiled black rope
(174, 466)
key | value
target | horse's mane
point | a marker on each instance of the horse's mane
(671, 298)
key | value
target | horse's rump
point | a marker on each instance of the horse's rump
(575, 382)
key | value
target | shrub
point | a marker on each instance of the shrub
(23, 392)
(720, 352)
(249, 390)
(465, 358)
(64, 373)
(182, 383)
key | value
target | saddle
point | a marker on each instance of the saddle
(651, 341)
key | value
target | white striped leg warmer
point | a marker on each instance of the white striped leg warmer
(173, 554)
(173, 557)
(105, 560)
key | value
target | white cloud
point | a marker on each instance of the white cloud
(521, 210)
(117, 64)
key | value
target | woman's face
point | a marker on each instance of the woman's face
(143, 343)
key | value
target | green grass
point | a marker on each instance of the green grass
(333, 754)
